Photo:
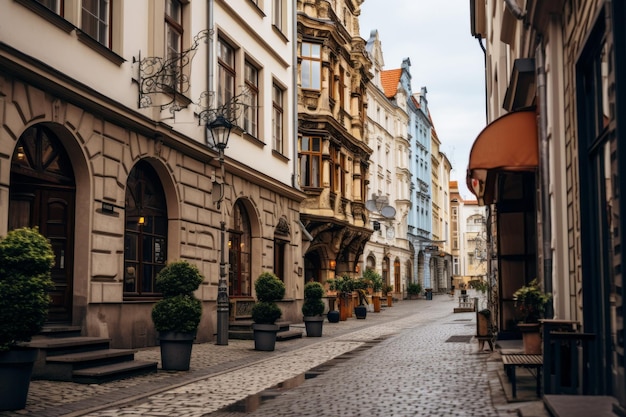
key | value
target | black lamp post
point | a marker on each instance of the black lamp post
(218, 132)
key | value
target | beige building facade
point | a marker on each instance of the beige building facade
(388, 250)
(333, 154)
(103, 146)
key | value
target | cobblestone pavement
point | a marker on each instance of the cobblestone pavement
(394, 363)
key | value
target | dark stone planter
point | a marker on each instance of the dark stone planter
(176, 350)
(333, 316)
(16, 367)
(265, 336)
(313, 325)
(360, 312)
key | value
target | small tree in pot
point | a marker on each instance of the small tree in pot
(26, 260)
(313, 308)
(177, 316)
(265, 311)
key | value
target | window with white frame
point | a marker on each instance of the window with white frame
(277, 14)
(310, 161)
(311, 66)
(174, 40)
(277, 118)
(225, 77)
(251, 100)
(95, 20)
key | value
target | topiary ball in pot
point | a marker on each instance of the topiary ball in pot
(268, 289)
(266, 312)
(178, 277)
(26, 259)
(180, 313)
(313, 304)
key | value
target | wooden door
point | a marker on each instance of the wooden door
(42, 194)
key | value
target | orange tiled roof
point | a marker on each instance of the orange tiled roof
(390, 79)
(415, 101)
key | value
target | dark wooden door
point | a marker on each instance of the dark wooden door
(42, 193)
(52, 210)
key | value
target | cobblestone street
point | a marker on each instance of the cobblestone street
(416, 358)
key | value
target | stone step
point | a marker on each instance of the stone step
(59, 359)
(63, 345)
(62, 367)
(113, 372)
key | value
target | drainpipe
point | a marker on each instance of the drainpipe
(544, 158)
(294, 142)
(209, 64)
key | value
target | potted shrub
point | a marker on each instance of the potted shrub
(345, 287)
(414, 289)
(313, 309)
(333, 314)
(376, 283)
(360, 311)
(387, 290)
(530, 302)
(176, 317)
(26, 260)
(265, 311)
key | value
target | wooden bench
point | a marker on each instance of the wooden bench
(527, 361)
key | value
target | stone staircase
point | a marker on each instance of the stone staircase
(242, 330)
(65, 355)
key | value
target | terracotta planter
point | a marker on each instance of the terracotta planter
(345, 307)
(376, 303)
(389, 300)
(531, 338)
(482, 325)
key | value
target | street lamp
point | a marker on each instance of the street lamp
(218, 132)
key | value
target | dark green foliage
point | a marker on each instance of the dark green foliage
(266, 312)
(268, 290)
(374, 278)
(178, 278)
(343, 284)
(479, 285)
(313, 304)
(179, 310)
(26, 259)
(414, 288)
(531, 301)
(179, 313)
(313, 290)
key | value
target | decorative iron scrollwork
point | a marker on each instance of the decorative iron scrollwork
(166, 75)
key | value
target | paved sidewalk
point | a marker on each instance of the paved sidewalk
(223, 375)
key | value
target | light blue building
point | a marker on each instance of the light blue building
(420, 214)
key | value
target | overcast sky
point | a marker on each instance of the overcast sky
(435, 35)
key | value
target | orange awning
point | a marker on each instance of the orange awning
(509, 143)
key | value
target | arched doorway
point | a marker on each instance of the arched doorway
(239, 247)
(43, 194)
(145, 234)
(397, 285)
(312, 267)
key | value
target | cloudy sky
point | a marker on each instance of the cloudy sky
(435, 35)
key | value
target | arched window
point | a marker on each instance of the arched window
(239, 245)
(145, 237)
